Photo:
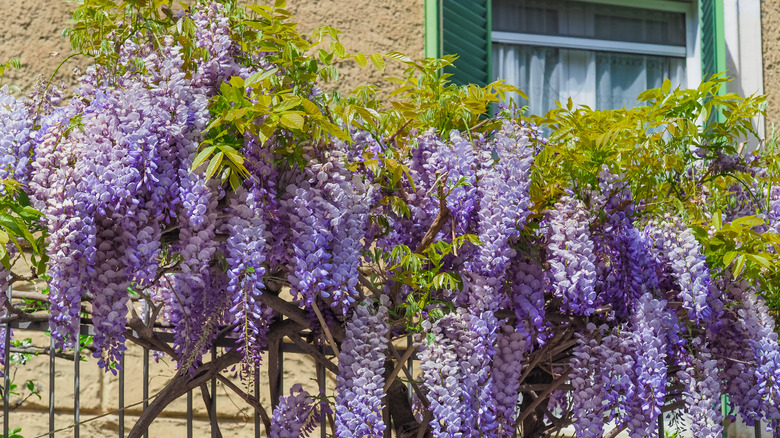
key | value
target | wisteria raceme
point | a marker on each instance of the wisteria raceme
(588, 393)
(649, 349)
(504, 199)
(677, 248)
(349, 201)
(758, 329)
(195, 302)
(212, 34)
(455, 367)
(512, 347)
(459, 163)
(626, 267)
(16, 134)
(310, 245)
(295, 416)
(528, 283)
(702, 391)
(69, 217)
(425, 168)
(245, 257)
(571, 258)
(360, 381)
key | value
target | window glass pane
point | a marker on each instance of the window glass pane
(600, 80)
(589, 20)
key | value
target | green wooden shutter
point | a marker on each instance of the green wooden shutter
(460, 27)
(713, 42)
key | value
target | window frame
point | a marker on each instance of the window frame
(691, 52)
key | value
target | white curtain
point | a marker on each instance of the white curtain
(602, 80)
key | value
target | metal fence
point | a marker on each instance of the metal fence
(209, 395)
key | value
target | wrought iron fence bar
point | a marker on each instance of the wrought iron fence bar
(145, 389)
(661, 425)
(51, 385)
(321, 385)
(410, 365)
(214, 427)
(76, 384)
(757, 429)
(122, 395)
(146, 372)
(256, 378)
(189, 414)
(6, 372)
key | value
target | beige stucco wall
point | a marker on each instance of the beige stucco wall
(30, 30)
(770, 29)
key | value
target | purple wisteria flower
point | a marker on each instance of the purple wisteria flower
(295, 416)
(504, 198)
(455, 367)
(677, 249)
(571, 258)
(360, 381)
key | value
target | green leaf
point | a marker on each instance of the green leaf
(739, 266)
(216, 160)
(378, 61)
(748, 221)
(761, 260)
(729, 257)
(361, 60)
(310, 107)
(292, 121)
(201, 157)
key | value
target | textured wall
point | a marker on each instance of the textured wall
(31, 30)
(770, 28)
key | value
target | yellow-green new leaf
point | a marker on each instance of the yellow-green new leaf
(292, 121)
(378, 61)
(201, 157)
(211, 170)
(361, 60)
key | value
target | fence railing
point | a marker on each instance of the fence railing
(209, 393)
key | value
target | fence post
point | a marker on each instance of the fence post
(122, 395)
(256, 378)
(52, 355)
(214, 427)
(146, 370)
(189, 414)
(6, 378)
(76, 382)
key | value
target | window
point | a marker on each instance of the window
(602, 53)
